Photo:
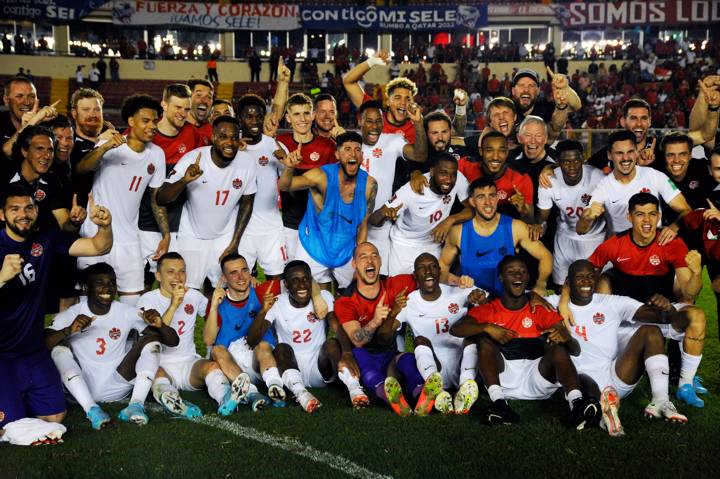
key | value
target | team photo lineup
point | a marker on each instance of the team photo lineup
(419, 267)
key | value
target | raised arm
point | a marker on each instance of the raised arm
(419, 150)
(705, 113)
(588, 217)
(92, 159)
(260, 325)
(370, 194)
(211, 329)
(101, 243)
(538, 251)
(169, 192)
(277, 110)
(449, 254)
(353, 77)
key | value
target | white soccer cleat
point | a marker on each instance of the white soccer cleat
(466, 396)
(610, 405)
(664, 410)
(359, 399)
(240, 387)
(308, 402)
(174, 404)
(444, 403)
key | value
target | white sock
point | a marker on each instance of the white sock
(271, 376)
(425, 361)
(293, 380)
(131, 299)
(217, 385)
(688, 367)
(495, 392)
(145, 369)
(658, 371)
(573, 395)
(160, 386)
(350, 381)
(72, 378)
(252, 388)
(468, 363)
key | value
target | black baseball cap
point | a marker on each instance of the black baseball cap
(525, 72)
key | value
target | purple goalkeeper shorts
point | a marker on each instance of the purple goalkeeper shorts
(30, 386)
(373, 366)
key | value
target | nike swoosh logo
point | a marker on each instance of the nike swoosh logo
(614, 201)
(204, 181)
(123, 164)
(346, 219)
(421, 315)
(480, 255)
(82, 150)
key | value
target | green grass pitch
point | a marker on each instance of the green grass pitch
(339, 442)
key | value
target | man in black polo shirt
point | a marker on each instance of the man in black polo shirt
(19, 96)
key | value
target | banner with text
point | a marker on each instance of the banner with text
(415, 18)
(53, 11)
(637, 13)
(236, 16)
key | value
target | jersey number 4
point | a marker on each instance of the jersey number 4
(303, 336)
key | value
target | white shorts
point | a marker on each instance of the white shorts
(450, 359)
(380, 237)
(322, 274)
(265, 247)
(108, 386)
(127, 261)
(521, 379)
(243, 356)
(604, 374)
(179, 370)
(148, 245)
(308, 366)
(292, 240)
(202, 258)
(626, 331)
(403, 255)
(568, 250)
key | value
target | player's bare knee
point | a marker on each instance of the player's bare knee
(219, 352)
(59, 417)
(282, 352)
(486, 346)
(263, 349)
(422, 341)
(558, 354)
(652, 337)
(161, 374)
(332, 348)
(696, 319)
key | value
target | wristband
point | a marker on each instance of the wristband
(714, 109)
(373, 61)
(460, 110)
(561, 109)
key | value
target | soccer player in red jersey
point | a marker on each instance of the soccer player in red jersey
(200, 104)
(642, 267)
(514, 360)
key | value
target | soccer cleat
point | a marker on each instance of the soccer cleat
(98, 418)
(664, 409)
(465, 397)
(308, 402)
(698, 385)
(686, 393)
(500, 412)
(229, 405)
(585, 412)
(444, 403)
(610, 405)
(359, 399)
(277, 394)
(395, 398)
(433, 386)
(240, 387)
(174, 404)
(134, 413)
(257, 401)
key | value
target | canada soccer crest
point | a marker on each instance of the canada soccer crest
(693, 184)
(189, 309)
(645, 190)
(585, 199)
(377, 152)
(114, 333)
(502, 195)
(237, 183)
(598, 318)
(36, 250)
(453, 308)
(527, 322)
(39, 195)
(263, 160)
(446, 199)
(311, 317)
(654, 260)
(151, 169)
(314, 156)
(182, 148)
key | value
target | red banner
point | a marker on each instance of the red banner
(637, 13)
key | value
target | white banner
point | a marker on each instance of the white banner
(245, 16)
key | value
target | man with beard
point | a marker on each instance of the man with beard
(422, 220)
(29, 383)
(124, 168)
(380, 151)
(220, 184)
(264, 237)
(220, 107)
(341, 198)
(87, 344)
(325, 114)
(202, 92)
(483, 242)
(64, 143)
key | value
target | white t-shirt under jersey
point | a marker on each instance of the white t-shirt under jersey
(212, 201)
(119, 184)
(266, 211)
(379, 162)
(299, 327)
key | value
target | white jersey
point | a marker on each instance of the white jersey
(419, 214)
(299, 327)
(119, 184)
(183, 322)
(379, 162)
(100, 348)
(212, 201)
(596, 327)
(614, 195)
(572, 201)
(266, 210)
(433, 319)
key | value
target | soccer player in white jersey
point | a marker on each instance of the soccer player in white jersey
(87, 343)
(221, 183)
(264, 237)
(380, 153)
(612, 194)
(431, 311)
(181, 368)
(571, 194)
(124, 168)
(617, 366)
(423, 220)
(305, 355)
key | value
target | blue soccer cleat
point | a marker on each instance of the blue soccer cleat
(257, 401)
(228, 406)
(174, 404)
(134, 413)
(686, 393)
(698, 385)
(98, 418)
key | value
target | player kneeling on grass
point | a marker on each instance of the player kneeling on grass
(305, 355)
(515, 360)
(87, 344)
(615, 369)
(180, 366)
(231, 314)
(431, 311)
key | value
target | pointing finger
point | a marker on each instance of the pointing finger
(652, 145)
(91, 201)
(74, 201)
(712, 206)
(55, 104)
(36, 105)
(197, 159)
(550, 72)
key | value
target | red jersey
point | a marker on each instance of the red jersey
(176, 146)
(506, 184)
(317, 152)
(407, 129)
(524, 322)
(709, 231)
(204, 132)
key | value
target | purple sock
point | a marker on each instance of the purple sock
(412, 380)
(380, 392)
